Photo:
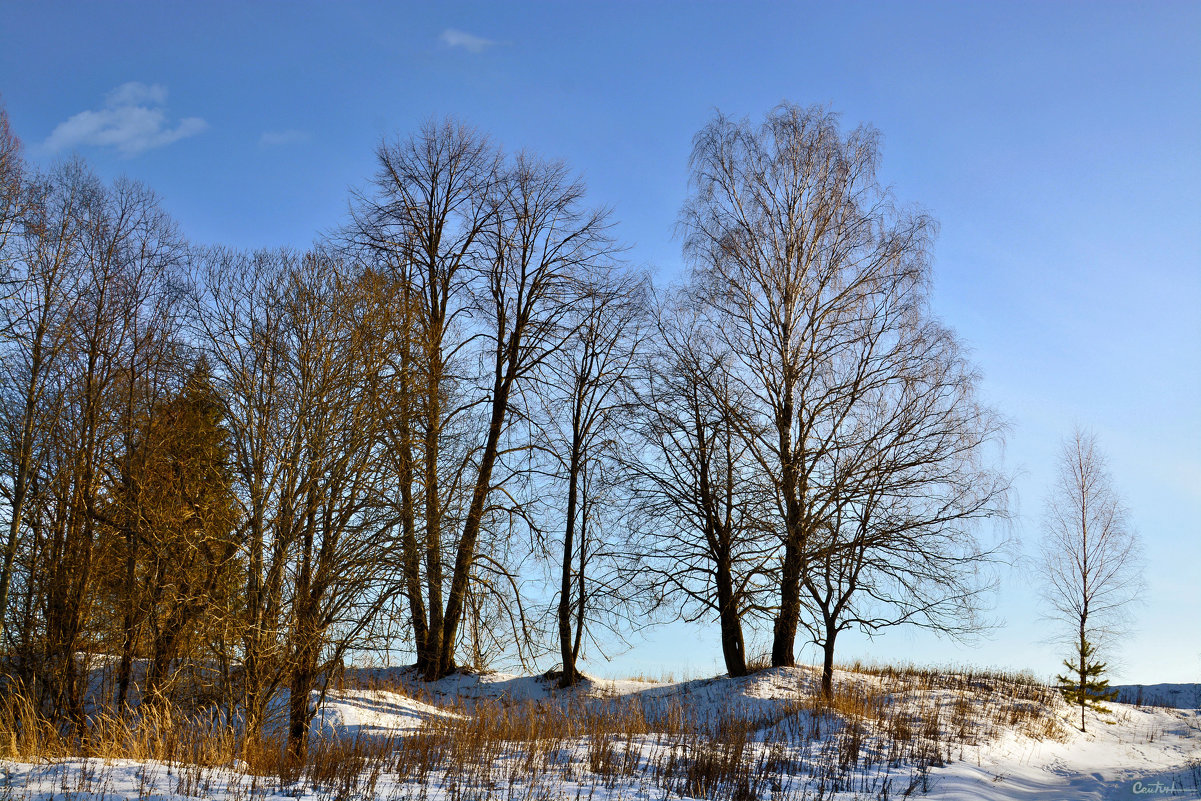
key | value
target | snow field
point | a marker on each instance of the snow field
(885, 733)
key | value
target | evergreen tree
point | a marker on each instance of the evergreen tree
(171, 550)
(1083, 684)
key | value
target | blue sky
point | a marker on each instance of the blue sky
(1058, 144)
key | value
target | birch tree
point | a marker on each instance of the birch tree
(1091, 564)
(793, 242)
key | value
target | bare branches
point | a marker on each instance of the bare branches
(13, 195)
(1090, 553)
(899, 545)
(815, 281)
(408, 422)
(587, 397)
(486, 258)
(1091, 562)
(539, 243)
(702, 501)
(92, 331)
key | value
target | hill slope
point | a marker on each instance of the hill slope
(885, 734)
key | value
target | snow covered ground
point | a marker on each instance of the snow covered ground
(1129, 753)
(916, 736)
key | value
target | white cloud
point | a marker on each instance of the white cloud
(135, 93)
(288, 137)
(452, 37)
(132, 121)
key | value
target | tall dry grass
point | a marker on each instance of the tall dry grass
(878, 735)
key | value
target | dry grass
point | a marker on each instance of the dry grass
(877, 735)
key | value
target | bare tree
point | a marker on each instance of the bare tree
(12, 191)
(37, 318)
(794, 242)
(485, 256)
(240, 328)
(421, 225)
(117, 251)
(336, 351)
(703, 503)
(1091, 563)
(300, 346)
(538, 243)
(912, 479)
(589, 386)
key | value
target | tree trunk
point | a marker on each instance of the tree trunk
(1083, 665)
(565, 640)
(253, 635)
(10, 547)
(24, 464)
(732, 647)
(305, 640)
(162, 655)
(79, 582)
(412, 561)
(299, 714)
(129, 623)
(788, 618)
(435, 636)
(581, 598)
(828, 661)
(305, 653)
(475, 513)
(125, 671)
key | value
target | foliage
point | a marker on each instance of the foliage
(1082, 685)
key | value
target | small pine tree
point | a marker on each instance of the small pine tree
(1083, 685)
